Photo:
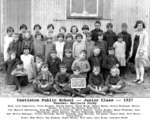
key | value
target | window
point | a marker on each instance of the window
(84, 8)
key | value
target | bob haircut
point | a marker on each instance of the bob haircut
(10, 29)
(139, 22)
(73, 27)
(23, 26)
(60, 35)
(50, 25)
(79, 35)
(37, 25)
(62, 28)
(109, 25)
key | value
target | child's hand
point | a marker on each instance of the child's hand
(117, 65)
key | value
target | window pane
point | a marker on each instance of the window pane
(77, 6)
(91, 6)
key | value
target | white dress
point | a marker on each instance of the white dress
(60, 49)
(120, 49)
(28, 65)
(7, 41)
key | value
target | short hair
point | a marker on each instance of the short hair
(23, 26)
(62, 65)
(79, 35)
(85, 27)
(100, 33)
(26, 47)
(124, 25)
(63, 27)
(44, 65)
(69, 35)
(120, 36)
(76, 68)
(37, 25)
(83, 51)
(10, 29)
(139, 22)
(39, 55)
(60, 35)
(97, 22)
(109, 25)
(88, 34)
(50, 25)
(73, 27)
(19, 62)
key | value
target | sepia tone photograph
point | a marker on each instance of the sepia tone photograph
(75, 48)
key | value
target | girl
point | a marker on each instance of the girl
(7, 40)
(50, 30)
(39, 44)
(60, 45)
(120, 53)
(37, 29)
(28, 62)
(78, 46)
(63, 30)
(140, 51)
(85, 30)
(74, 30)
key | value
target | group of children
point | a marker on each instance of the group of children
(49, 62)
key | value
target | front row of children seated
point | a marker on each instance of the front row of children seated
(62, 83)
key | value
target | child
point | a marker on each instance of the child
(9, 66)
(23, 30)
(53, 63)
(126, 38)
(89, 44)
(83, 63)
(113, 82)
(108, 62)
(60, 45)
(50, 29)
(49, 46)
(78, 46)
(96, 31)
(7, 40)
(28, 63)
(110, 36)
(62, 81)
(96, 59)
(29, 41)
(68, 60)
(74, 30)
(38, 64)
(63, 30)
(37, 29)
(44, 81)
(16, 46)
(85, 30)
(120, 53)
(39, 44)
(20, 76)
(69, 42)
(96, 82)
(101, 43)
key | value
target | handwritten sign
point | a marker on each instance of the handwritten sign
(78, 83)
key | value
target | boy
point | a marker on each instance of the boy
(68, 42)
(96, 82)
(68, 60)
(44, 81)
(78, 46)
(7, 40)
(9, 66)
(50, 46)
(96, 31)
(113, 82)
(53, 63)
(108, 62)
(110, 36)
(39, 44)
(83, 63)
(62, 81)
(89, 44)
(20, 76)
(101, 43)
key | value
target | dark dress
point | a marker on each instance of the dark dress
(135, 47)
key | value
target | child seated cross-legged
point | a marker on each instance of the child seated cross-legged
(62, 81)
(44, 81)
(20, 76)
(96, 82)
(113, 82)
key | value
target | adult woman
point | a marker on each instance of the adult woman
(139, 51)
